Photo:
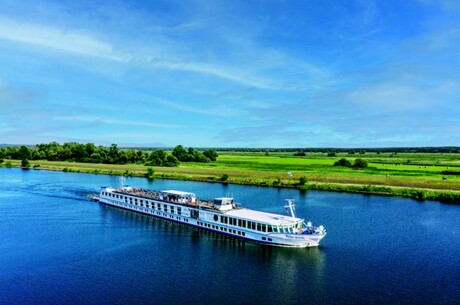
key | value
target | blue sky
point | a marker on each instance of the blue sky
(231, 73)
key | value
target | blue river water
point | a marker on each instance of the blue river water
(58, 247)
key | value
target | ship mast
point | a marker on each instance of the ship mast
(291, 207)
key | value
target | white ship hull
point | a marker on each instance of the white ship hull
(211, 220)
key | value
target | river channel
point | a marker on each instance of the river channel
(58, 247)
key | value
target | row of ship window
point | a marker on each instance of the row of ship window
(223, 229)
(144, 203)
(256, 226)
(157, 212)
(251, 225)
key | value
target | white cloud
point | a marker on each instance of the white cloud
(265, 70)
(105, 120)
(78, 43)
(58, 39)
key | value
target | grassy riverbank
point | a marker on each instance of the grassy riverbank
(419, 176)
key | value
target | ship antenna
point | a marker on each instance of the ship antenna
(291, 207)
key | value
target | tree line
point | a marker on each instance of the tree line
(90, 153)
(300, 150)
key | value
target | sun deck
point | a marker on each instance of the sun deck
(268, 218)
(170, 196)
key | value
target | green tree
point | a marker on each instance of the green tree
(210, 154)
(96, 157)
(35, 154)
(141, 155)
(90, 149)
(224, 177)
(171, 161)
(104, 154)
(24, 152)
(360, 163)
(157, 157)
(113, 154)
(78, 151)
(180, 153)
(123, 157)
(12, 152)
(199, 157)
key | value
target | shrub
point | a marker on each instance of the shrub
(8, 164)
(150, 173)
(343, 162)
(25, 163)
(302, 180)
(276, 182)
(224, 177)
(445, 172)
(331, 154)
(360, 163)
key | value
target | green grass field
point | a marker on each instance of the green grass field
(388, 174)
(405, 170)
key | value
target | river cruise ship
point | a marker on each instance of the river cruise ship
(221, 215)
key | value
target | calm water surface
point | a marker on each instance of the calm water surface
(57, 247)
